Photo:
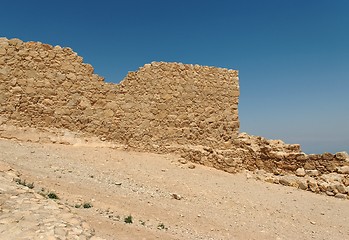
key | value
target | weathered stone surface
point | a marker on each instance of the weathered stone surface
(136, 111)
(327, 156)
(26, 214)
(344, 169)
(2, 51)
(300, 172)
(302, 183)
(289, 181)
(341, 196)
(313, 186)
(344, 156)
(312, 173)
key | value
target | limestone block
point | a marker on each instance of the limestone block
(71, 76)
(343, 156)
(16, 90)
(300, 172)
(4, 71)
(302, 183)
(288, 181)
(312, 173)
(343, 170)
(314, 156)
(313, 186)
(15, 42)
(327, 156)
(2, 51)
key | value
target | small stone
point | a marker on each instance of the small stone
(176, 196)
(313, 185)
(300, 172)
(302, 184)
(312, 222)
(312, 173)
(183, 161)
(323, 186)
(341, 195)
(341, 188)
(260, 172)
(288, 181)
(329, 193)
(269, 179)
(191, 166)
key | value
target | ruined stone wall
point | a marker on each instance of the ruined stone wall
(274, 156)
(163, 107)
(160, 105)
(182, 104)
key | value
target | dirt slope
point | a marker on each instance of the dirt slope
(210, 204)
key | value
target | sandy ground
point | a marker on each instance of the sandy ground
(210, 204)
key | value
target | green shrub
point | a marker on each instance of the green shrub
(52, 195)
(128, 219)
(87, 205)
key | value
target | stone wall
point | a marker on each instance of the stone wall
(274, 156)
(160, 105)
(164, 107)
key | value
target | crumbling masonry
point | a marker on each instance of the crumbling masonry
(163, 107)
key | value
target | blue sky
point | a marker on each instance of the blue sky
(293, 56)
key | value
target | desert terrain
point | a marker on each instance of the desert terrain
(163, 195)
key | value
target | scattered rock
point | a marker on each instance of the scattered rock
(341, 188)
(312, 184)
(288, 181)
(312, 173)
(191, 166)
(302, 183)
(341, 195)
(176, 196)
(329, 193)
(323, 186)
(271, 179)
(300, 172)
(183, 161)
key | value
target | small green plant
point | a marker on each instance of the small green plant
(24, 183)
(52, 195)
(87, 205)
(128, 219)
